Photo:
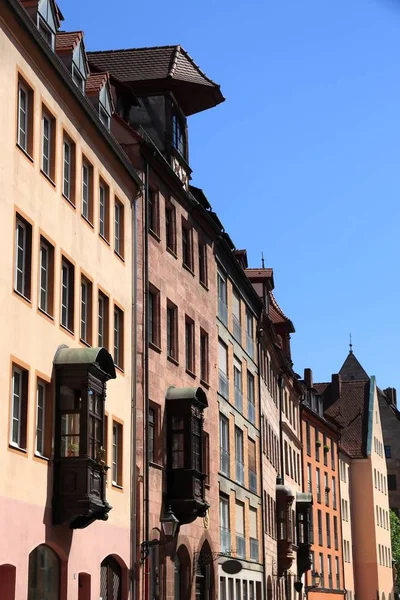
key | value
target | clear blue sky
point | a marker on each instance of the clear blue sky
(302, 161)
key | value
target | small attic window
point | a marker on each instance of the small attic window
(46, 21)
(105, 109)
(79, 72)
(178, 134)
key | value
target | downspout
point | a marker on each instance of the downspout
(260, 332)
(133, 473)
(146, 473)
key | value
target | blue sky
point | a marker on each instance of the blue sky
(302, 160)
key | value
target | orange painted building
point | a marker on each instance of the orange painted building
(321, 479)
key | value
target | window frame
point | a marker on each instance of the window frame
(27, 145)
(47, 171)
(68, 183)
(117, 454)
(119, 224)
(118, 337)
(204, 356)
(187, 246)
(70, 295)
(203, 262)
(86, 165)
(86, 307)
(153, 314)
(44, 385)
(190, 354)
(172, 332)
(104, 206)
(170, 227)
(105, 319)
(26, 249)
(153, 212)
(48, 291)
(21, 442)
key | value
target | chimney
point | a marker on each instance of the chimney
(392, 395)
(308, 380)
(336, 387)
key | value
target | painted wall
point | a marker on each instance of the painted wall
(346, 522)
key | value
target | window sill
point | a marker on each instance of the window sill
(105, 240)
(87, 221)
(120, 369)
(41, 457)
(49, 179)
(67, 330)
(25, 153)
(155, 235)
(45, 314)
(156, 466)
(204, 383)
(188, 268)
(204, 285)
(173, 360)
(155, 347)
(116, 486)
(121, 258)
(22, 297)
(172, 252)
(13, 446)
(189, 372)
(85, 343)
(71, 204)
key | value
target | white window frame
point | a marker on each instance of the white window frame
(20, 248)
(100, 321)
(84, 309)
(46, 170)
(102, 210)
(44, 269)
(40, 426)
(67, 169)
(65, 285)
(115, 457)
(78, 78)
(16, 417)
(104, 116)
(117, 228)
(85, 190)
(117, 336)
(25, 111)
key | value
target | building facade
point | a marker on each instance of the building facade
(346, 513)
(390, 418)
(68, 198)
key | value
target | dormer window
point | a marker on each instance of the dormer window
(79, 69)
(178, 134)
(47, 21)
(105, 109)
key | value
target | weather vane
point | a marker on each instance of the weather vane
(262, 260)
(351, 345)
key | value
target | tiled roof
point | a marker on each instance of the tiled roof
(95, 82)
(277, 315)
(254, 272)
(352, 370)
(67, 40)
(350, 412)
(170, 65)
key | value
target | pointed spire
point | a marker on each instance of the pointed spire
(262, 260)
(351, 346)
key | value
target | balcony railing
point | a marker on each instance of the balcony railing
(240, 546)
(238, 398)
(222, 311)
(224, 459)
(251, 412)
(253, 481)
(250, 346)
(237, 329)
(223, 385)
(253, 549)
(225, 540)
(239, 472)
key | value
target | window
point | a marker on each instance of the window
(23, 257)
(48, 145)
(222, 298)
(172, 331)
(388, 452)
(87, 190)
(250, 342)
(251, 403)
(328, 530)
(319, 527)
(203, 356)
(237, 381)
(225, 534)
(86, 310)
(240, 536)
(325, 451)
(187, 245)
(224, 445)
(152, 422)
(119, 228)
(309, 478)
(253, 534)
(79, 68)
(105, 107)
(239, 455)
(40, 417)
(237, 325)
(326, 489)
(25, 117)
(308, 438)
(196, 435)
(189, 345)
(203, 265)
(103, 320)
(178, 134)
(118, 337)
(252, 466)
(68, 178)
(19, 407)
(67, 294)
(321, 569)
(117, 454)
(154, 316)
(318, 485)
(332, 455)
(317, 444)
(170, 227)
(334, 492)
(206, 458)
(104, 194)
(44, 574)
(46, 22)
(330, 571)
(46, 276)
(153, 211)
(223, 381)
(392, 484)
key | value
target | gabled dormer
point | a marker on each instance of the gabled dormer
(47, 16)
(98, 91)
(71, 49)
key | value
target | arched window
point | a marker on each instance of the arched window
(7, 582)
(177, 578)
(44, 574)
(110, 579)
(182, 574)
(204, 574)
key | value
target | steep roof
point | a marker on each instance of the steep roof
(352, 370)
(160, 68)
(67, 40)
(277, 315)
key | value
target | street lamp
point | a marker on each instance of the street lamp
(298, 586)
(169, 530)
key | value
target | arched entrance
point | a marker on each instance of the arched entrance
(44, 574)
(7, 582)
(269, 588)
(182, 574)
(110, 579)
(204, 580)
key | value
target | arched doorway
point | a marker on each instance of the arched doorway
(7, 582)
(204, 581)
(110, 579)
(269, 588)
(182, 574)
(44, 574)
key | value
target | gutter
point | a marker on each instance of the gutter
(62, 71)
